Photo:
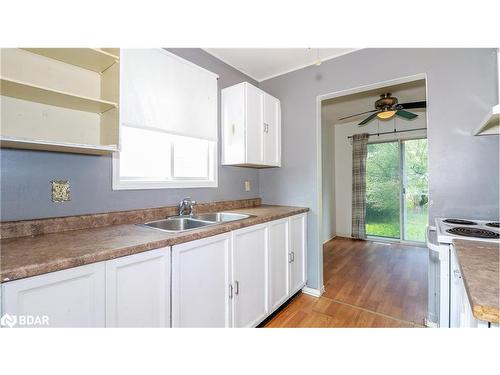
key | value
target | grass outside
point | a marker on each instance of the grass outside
(415, 226)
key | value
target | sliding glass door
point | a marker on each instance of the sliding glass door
(396, 190)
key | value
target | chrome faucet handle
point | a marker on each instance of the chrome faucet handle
(191, 206)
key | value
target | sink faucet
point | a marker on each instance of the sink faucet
(186, 207)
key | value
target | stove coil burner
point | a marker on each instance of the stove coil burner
(473, 232)
(459, 221)
(493, 225)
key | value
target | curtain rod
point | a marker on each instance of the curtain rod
(393, 132)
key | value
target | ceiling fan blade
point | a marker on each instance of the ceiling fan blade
(358, 114)
(411, 105)
(368, 119)
(407, 115)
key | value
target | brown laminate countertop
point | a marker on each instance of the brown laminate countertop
(479, 264)
(35, 255)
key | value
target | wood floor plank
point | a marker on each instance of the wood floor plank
(367, 284)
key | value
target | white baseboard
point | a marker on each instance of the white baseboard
(313, 292)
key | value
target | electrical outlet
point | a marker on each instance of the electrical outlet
(61, 190)
(248, 186)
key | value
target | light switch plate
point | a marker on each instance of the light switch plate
(61, 191)
(247, 186)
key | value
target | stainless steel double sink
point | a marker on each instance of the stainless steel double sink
(177, 224)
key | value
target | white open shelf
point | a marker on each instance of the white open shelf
(491, 124)
(44, 95)
(60, 99)
(30, 144)
(95, 59)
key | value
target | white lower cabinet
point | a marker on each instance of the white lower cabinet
(69, 298)
(298, 246)
(249, 275)
(235, 279)
(200, 282)
(279, 263)
(138, 290)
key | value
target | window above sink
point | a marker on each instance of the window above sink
(168, 123)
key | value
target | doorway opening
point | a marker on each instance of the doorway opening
(396, 178)
(397, 199)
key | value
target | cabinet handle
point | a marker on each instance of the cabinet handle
(233, 129)
(230, 291)
(290, 257)
(237, 284)
(293, 256)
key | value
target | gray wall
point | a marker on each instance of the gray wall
(25, 175)
(463, 170)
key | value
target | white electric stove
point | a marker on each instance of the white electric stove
(442, 263)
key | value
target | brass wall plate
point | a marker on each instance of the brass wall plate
(61, 190)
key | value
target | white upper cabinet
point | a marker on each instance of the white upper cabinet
(251, 127)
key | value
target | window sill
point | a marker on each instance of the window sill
(147, 185)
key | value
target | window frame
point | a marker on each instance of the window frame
(173, 183)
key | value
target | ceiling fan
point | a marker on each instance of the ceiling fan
(387, 107)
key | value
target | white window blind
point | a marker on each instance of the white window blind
(168, 122)
(162, 91)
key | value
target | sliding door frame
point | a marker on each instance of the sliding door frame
(402, 192)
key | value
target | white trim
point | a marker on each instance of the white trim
(259, 80)
(319, 196)
(372, 86)
(313, 292)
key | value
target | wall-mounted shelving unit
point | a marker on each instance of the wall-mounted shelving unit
(60, 99)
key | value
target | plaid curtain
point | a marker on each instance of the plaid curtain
(359, 152)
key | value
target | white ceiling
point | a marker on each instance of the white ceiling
(264, 63)
(343, 106)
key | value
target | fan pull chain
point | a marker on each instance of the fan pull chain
(394, 122)
(378, 127)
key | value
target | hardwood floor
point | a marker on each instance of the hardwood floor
(367, 284)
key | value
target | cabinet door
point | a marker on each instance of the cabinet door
(67, 298)
(298, 227)
(233, 124)
(249, 276)
(278, 263)
(200, 282)
(272, 129)
(138, 290)
(254, 125)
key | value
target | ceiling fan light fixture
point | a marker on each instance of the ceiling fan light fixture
(386, 115)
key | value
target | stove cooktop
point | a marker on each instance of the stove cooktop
(457, 228)
(473, 232)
